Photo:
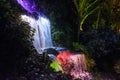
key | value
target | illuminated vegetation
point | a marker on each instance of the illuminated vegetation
(88, 26)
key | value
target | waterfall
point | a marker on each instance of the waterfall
(42, 35)
(73, 64)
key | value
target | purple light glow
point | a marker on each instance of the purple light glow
(28, 5)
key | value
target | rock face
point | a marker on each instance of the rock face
(54, 51)
(51, 51)
(60, 49)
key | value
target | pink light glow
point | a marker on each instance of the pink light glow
(74, 64)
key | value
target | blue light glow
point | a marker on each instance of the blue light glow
(29, 5)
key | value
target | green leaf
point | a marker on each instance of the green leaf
(56, 66)
(85, 17)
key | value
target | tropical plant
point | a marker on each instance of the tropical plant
(116, 10)
(105, 15)
(56, 66)
(84, 10)
(61, 37)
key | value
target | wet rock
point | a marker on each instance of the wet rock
(51, 51)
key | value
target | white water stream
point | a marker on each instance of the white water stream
(42, 35)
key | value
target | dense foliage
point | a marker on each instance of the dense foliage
(102, 45)
(99, 21)
(90, 25)
(15, 42)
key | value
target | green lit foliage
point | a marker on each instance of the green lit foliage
(61, 37)
(84, 9)
(104, 15)
(102, 11)
(57, 36)
(116, 10)
(56, 66)
(96, 14)
(99, 32)
(79, 46)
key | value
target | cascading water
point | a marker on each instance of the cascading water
(76, 65)
(42, 35)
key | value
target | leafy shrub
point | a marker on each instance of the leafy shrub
(16, 40)
(61, 37)
(100, 42)
(58, 36)
(101, 45)
(56, 66)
